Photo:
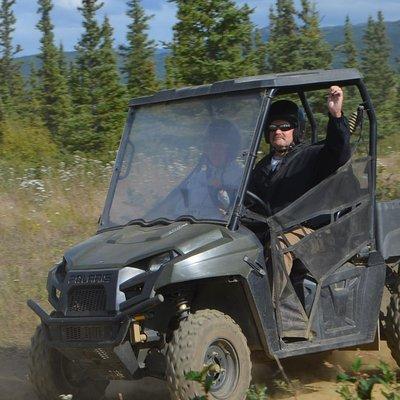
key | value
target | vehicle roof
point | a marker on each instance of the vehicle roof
(287, 82)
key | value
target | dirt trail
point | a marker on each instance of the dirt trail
(311, 375)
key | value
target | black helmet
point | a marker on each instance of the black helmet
(287, 110)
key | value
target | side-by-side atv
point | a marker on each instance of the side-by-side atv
(186, 269)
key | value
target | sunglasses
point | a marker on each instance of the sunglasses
(286, 126)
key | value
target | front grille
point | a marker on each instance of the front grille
(87, 298)
(82, 333)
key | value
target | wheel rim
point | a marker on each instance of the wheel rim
(222, 354)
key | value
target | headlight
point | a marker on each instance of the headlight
(55, 280)
(156, 262)
(60, 270)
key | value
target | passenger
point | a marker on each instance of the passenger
(292, 167)
(210, 189)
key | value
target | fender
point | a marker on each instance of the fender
(205, 269)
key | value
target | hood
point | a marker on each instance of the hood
(124, 246)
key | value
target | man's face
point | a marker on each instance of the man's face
(217, 153)
(280, 133)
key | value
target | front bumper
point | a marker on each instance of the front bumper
(91, 331)
(94, 309)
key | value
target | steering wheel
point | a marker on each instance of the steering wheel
(258, 201)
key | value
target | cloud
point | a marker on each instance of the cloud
(68, 4)
(334, 13)
(25, 33)
(153, 5)
(161, 24)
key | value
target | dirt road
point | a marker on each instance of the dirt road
(311, 375)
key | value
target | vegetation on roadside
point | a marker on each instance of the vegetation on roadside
(206, 376)
(369, 382)
(363, 382)
(44, 210)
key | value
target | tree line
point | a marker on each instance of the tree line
(80, 106)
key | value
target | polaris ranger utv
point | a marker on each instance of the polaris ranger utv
(178, 275)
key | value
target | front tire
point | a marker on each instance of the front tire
(52, 374)
(209, 337)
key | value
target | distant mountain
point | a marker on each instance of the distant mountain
(334, 35)
(28, 61)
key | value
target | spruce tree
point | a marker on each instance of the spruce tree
(34, 97)
(261, 54)
(62, 62)
(313, 49)
(56, 105)
(349, 50)
(378, 74)
(212, 40)
(283, 43)
(375, 60)
(98, 94)
(84, 133)
(138, 54)
(11, 81)
(88, 51)
(73, 81)
(396, 107)
(110, 93)
(349, 47)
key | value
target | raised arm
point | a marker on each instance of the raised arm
(336, 151)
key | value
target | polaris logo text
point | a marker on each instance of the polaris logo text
(90, 278)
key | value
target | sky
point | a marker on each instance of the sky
(67, 20)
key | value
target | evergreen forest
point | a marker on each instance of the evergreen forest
(64, 108)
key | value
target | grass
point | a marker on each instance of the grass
(43, 212)
(388, 167)
(389, 145)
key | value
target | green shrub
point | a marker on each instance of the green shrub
(43, 211)
(206, 376)
(359, 385)
(257, 392)
(26, 145)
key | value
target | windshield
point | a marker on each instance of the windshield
(183, 158)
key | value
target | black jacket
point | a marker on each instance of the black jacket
(302, 168)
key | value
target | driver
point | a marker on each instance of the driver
(210, 189)
(292, 167)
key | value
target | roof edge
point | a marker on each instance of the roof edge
(286, 80)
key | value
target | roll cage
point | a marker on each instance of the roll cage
(271, 85)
